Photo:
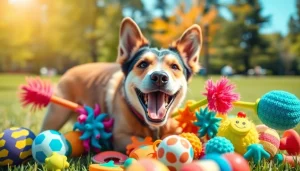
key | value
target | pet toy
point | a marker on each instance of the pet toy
(290, 142)
(186, 118)
(56, 162)
(219, 145)
(256, 152)
(15, 146)
(143, 152)
(219, 97)
(279, 110)
(291, 160)
(196, 143)
(109, 166)
(76, 147)
(136, 144)
(208, 123)
(94, 129)
(214, 162)
(269, 138)
(48, 142)
(174, 151)
(106, 156)
(147, 164)
(237, 162)
(205, 165)
(39, 93)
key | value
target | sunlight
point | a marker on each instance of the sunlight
(20, 2)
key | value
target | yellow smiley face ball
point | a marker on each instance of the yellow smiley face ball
(240, 125)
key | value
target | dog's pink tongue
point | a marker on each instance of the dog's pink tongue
(156, 105)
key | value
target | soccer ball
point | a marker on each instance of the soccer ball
(15, 146)
(174, 151)
(48, 142)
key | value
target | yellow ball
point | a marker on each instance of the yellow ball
(76, 145)
(195, 142)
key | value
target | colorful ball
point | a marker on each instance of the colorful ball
(196, 143)
(75, 144)
(48, 142)
(147, 164)
(269, 138)
(237, 161)
(15, 146)
(201, 165)
(279, 110)
(223, 164)
(219, 145)
(174, 151)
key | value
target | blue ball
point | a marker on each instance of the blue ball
(219, 145)
(220, 160)
(15, 146)
(48, 142)
(279, 110)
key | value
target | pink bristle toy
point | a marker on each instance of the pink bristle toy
(219, 97)
(39, 93)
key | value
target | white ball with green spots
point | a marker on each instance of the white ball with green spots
(48, 142)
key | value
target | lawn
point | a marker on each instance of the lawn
(250, 88)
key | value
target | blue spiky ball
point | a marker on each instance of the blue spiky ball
(15, 146)
(279, 110)
(219, 145)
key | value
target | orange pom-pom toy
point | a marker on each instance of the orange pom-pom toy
(195, 142)
(186, 118)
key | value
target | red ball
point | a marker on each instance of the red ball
(237, 161)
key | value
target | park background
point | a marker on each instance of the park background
(47, 37)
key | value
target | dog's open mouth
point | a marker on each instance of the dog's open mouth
(155, 104)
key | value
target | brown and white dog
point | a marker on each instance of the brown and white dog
(140, 91)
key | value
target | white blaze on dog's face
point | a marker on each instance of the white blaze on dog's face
(156, 79)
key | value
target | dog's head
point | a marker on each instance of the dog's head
(156, 79)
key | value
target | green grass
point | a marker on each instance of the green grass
(250, 88)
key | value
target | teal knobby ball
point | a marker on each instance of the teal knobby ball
(219, 145)
(279, 110)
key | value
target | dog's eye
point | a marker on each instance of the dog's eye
(143, 64)
(175, 67)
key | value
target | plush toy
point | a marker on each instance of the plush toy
(174, 151)
(56, 162)
(15, 146)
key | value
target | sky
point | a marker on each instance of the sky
(279, 10)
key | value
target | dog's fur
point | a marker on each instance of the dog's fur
(114, 85)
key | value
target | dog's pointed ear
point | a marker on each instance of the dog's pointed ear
(131, 39)
(189, 46)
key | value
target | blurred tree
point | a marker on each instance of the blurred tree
(292, 43)
(240, 38)
(164, 32)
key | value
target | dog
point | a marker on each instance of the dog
(140, 91)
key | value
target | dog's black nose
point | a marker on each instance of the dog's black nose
(159, 78)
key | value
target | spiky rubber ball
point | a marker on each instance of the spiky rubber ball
(195, 142)
(219, 145)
